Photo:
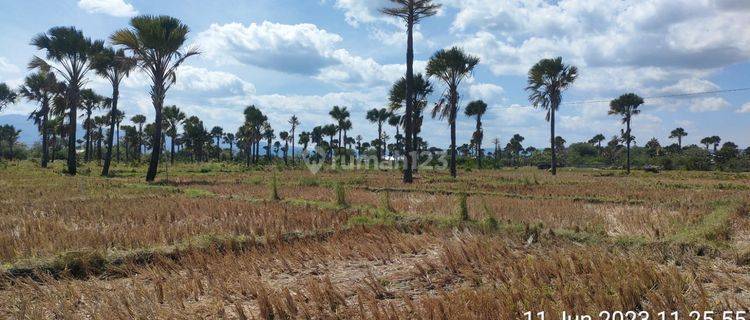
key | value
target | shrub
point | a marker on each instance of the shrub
(385, 201)
(340, 193)
(463, 209)
(274, 189)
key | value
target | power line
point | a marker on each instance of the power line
(680, 95)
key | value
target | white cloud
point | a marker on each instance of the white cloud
(486, 91)
(202, 81)
(708, 104)
(116, 8)
(745, 108)
(296, 49)
(300, 48)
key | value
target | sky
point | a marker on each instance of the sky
(302, 57)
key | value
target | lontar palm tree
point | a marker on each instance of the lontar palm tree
(229, 139)
(7, 96)
(706, 142)
(41, 87)
(139, 119)
(69, 53)
(174, 118)
(340, 114)
(411, 11)
(118, 117)
(477, 109)
(452, 67)
(216, 133)
(90, 101)
(597, 141)
(294, 122)
(156, 43)
(547, 81)
(114, 66)
(379, 116)
(627, 107)
(678, 134)
(255, 119)
(397, 96)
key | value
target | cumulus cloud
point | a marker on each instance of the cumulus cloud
(116, 8)
(296, 49)
(486, 91)
(745, 108)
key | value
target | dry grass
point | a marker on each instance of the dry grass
(584, 241)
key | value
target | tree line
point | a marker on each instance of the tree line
(154, 45)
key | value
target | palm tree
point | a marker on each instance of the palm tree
(716, 140)
(397, 96)
(7, 96)
(340, 114)
(269, 135)
(229, 139)
(477, 109)
(452, 67)
(547, 81)
(69, 53)
(304, 140)
(678, 134)
(89, 102)
(100, 122)
(118, 117)
(114, 66)
(284, 136)
(155, 42)
(294, 122)
(41, 87)
(627, 107)
(330, 131)
(411, 11)
(396, 121)
(174, 118)
(217, 132)
(255, 119)
(706, 142)
(597, 141)
(10, 135)
(379, 116)
(139, 119)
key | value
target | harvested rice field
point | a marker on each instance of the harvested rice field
(225, 242)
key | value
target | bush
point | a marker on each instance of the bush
(463, 208)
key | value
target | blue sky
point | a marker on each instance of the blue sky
(304, 56)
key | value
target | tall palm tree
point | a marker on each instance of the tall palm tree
(304, 140)
(284, 136)
(90, 101)
(69, 53)
(10, 135)
(229, 139)
(379, 116)
(706, 142)
(678, 134)
(118, 116)
(627, 107)
(255, 120)
(41, 87)
(397, 96)
(330, 131)
(114, 66)
(7, 96)
(716, 140)
(217, 132)
(597, 141)
(451, 67)
(547, 81)
(174, 117)
(340, 114)
(156, 43)
(269, 135)
(294, 122)
(100, 122)
(477, 109)
(139, 120)
(411, 12)
(396, 121)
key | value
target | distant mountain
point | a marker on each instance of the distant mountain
(29, 132)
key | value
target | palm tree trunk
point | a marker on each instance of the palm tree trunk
(479, 141)
(408, 113)
(73, 100)
(158, 100)
(171, 150)
(552, 139)
(292, 146)
(627, 136)
(380, 138)
(453, 149)
(110, 135)
(45, 148)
